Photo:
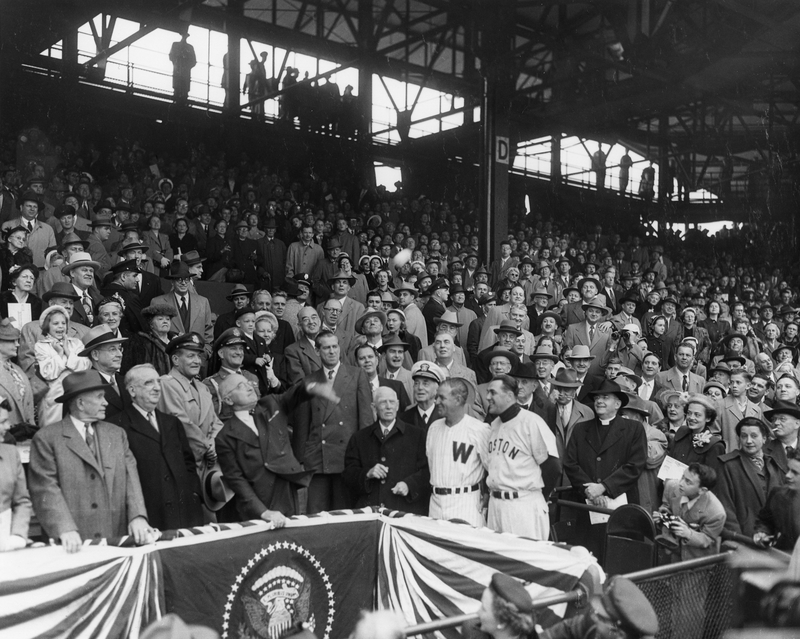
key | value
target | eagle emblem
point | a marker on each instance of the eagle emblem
(282, 598)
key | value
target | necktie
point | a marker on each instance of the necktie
(17, 379)
(759, 462)
(385, 432)
(151, 417)
(591, 333)
(184, 311)
(560, 417)
(390, 375)
(87, 307)
(91, 441)
(330, 374)
(789, 451)
(546, 388)
(29, 226)
(685, 383)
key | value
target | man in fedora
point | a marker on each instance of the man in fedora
(272, 252)
(462, 314)
(148, 284)
(70, 245)
(326, 268)
(165, 463)
(605, 457)
(536, 390)
(341, 283)
(568, 410)
(347, 239)
(65, 221)
(436, 305)
(369, 328)
(195, 264)
(14, 384)
(188, 399)
(588, 333)
(239, 297)
(124, 286)
(254, 448)
(83, 476)
(394, 351)
(81, 270)
(498, 361)
(447, 322)
(101, 231)
(302, 358)
(103, 347)
(444, 349)
(414, 320)
(507, 332)
(40, 235)
(785, 422)
(193, 310)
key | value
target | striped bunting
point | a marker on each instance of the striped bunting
(431, 569)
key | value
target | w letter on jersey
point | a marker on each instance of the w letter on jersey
(461, 452)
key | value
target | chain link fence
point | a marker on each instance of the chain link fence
(692, 604)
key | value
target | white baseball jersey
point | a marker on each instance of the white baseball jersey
(456, 458)
(516, 450)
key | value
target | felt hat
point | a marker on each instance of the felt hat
(508, 326)
(178, 270)
(341, 275)
(487, 357)
(394, 340)
(371, 313)
(566, 378)
(79, 259)
(544, 352)
(8, 332)
(61, 289)
(78, 383)
(215, 490)
(782, 407)
(192, 257)
(131, 246)
(580, 351)
(609, 387)
(448, 317)
(99, 336)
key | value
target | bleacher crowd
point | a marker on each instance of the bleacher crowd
(370, 358)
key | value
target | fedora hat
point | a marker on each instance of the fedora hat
(611, 388)
(487, 357)
(636, 403)
(507, 326)
(543, 352)
(78, 383)
(733, 356)
(408, 288)
(132, 246)
(73, 238)
(341, 275)
(394, 340)
(448, 317)
(332, 243)
(553, 315)
(566, 378)
(371, 313)
(192, 258)
(178, 270)
(80, 258)
(215, 490)
(598, 302)
(580, 351)
(238, 290)
(540, 290)
(526, 370)
(627, 372)
(8, 332)
(32, 196)
(782, 407)
(102, 220)
(61, 289)
(99, 336)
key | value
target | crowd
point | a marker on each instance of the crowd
(371, 359)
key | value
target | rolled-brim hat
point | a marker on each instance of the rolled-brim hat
(715, 384)
(78, 383)
(448, 317)
(580, 351)
(507, 326)
(394, 340)
(487, 357)
(79, 259)
(784, 347)
(216, 492)
(782, 407)
(552, 315)
(543, 352)
(61, 289)
(99, 336)
(132, 246)
(373, 313)
(192, 258)
(341, 275)
(733, 356)
(566, 378)
(238, 290)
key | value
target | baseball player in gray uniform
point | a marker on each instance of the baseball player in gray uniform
(516, 454)
(457, 448)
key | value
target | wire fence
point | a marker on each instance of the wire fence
(692, 604)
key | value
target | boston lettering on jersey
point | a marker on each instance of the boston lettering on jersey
(503, 446)
(461, 452)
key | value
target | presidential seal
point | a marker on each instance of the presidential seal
(283, 584)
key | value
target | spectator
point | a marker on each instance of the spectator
(150, 346)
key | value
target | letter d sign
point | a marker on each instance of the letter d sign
(501, 150)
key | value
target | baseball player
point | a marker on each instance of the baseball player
(457, 448)
(517, 463)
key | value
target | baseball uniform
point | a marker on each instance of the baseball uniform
(456, 455)
(516, 451)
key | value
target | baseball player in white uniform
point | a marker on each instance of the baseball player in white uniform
(516, 453)
(457, 448)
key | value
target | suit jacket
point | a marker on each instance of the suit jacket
(672, 379)
(167, 472)
(199, 316)
(730, 415)
(117, 401)
(403, 451)
(259, 468)
(150, 288)
(79, 313)
(14, 490)
(579, 334)
(322, 429)
(616, 462)
(774, 448)
(573, 313)
(432, 310)
(302, 360)
(741, 492)
(403, 375)
(708, 514)
(497, 272)
(412, 416)
(580, 413)
(72, 490)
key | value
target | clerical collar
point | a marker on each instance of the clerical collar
(606, 422)
(510, 413)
